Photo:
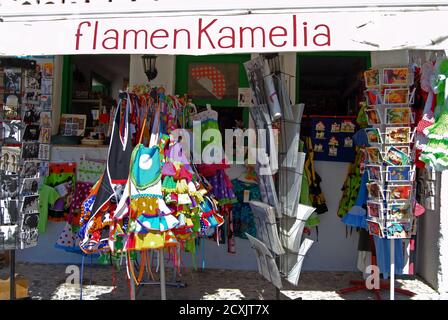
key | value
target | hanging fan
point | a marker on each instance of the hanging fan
(211, 79)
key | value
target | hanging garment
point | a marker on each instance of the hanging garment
(47, 196)
(243, 219)
(356, 216)
(118, 158)
(313, 220)
(149, 214)
(435, 152)
(351, 185)
(314, 180)
(95, 211)
(382, 249)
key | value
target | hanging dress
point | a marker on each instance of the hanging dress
(149, 215)
(107, 191)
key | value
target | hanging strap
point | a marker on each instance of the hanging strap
(154, 140)
(142, 267)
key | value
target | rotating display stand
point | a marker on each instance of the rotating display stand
(25, 127)
(280, 218)
(391, 171)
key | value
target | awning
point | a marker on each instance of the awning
(205, 27)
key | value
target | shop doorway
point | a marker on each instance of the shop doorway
(92, 82)
(331, 83)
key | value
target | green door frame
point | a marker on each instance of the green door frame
(67, 84)
(365, 54)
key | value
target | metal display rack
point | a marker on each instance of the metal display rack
(22, 154)
(283, 173)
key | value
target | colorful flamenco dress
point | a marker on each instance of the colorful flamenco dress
(435, 152)
(99, 207)
(149, 216)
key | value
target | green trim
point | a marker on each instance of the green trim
(181, 82)
(67, 84)
(365, 54)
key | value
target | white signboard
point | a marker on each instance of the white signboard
(201, 35)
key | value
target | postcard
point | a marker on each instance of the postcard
(30, 186)
(30, 203)
(375, 190)
(398, 173)
(45, 119)
(373, 116)
(374, 155)
(373, 97)
(372, 78)
(375, 210)
(30, 169)
(31, 132)
(44, 151)
(398, 116)
(373, 135)
(375, 228)
(398, 135)
(30, 151)
(399, 192)
(399, 211)
(45, 135)
(396, 96)
(398, 230)
(396, 76)
(396, 157)
(374, 172)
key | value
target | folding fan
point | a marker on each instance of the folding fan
(211, 79)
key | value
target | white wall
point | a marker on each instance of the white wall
(165, 66)
(443, 236)
(428, 253)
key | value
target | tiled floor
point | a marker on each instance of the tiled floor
(49, 282)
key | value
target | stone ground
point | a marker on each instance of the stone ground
(47, 281)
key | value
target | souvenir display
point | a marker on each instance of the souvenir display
(20, 169)
(391, 205)
(280, 219)
(332, 138)
(148, 195)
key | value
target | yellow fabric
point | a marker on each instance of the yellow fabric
(151, 240)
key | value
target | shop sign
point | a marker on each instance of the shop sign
(200, 35)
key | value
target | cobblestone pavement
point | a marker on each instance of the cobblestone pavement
(47, 281)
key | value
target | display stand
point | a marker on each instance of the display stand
(162, 281)
(392, 269)
(360, 285)
(279, 173)
(12, 275)
(25, 132)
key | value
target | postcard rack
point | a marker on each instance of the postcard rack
(391, 189)
(25, 121)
